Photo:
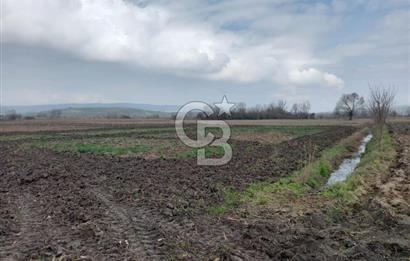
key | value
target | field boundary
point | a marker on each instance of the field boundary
(309, 179)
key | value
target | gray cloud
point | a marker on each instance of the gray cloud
(154, 36)
(255, 51)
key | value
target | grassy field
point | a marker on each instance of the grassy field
(154, 142)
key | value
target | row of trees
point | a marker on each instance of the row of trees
(278, 110)
(12, 115)
(379, 104)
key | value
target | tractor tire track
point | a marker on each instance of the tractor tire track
(136, 226)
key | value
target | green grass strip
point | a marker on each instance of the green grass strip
(94, 148)
(210, 152)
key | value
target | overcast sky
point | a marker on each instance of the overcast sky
(172, 52)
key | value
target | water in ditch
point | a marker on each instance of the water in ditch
(349, 165)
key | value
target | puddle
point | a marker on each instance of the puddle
(349, 165)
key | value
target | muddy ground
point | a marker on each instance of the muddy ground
(67, 124)
(83, 206)
(377, 227)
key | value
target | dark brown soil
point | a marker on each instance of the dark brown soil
(375, 228)
(69, 206)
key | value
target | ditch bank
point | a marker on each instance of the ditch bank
(310, 178)
(349, 165)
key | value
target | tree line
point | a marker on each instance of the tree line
(350, 105)
(277, 110)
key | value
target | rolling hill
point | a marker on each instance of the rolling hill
(30, 109)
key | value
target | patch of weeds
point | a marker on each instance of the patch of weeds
(218, 210)
(38, 144)
(337, 213)
(181, 251)
(288, 185)
(135, 194)
(215, 151)
(184, 245)
(28, 137)
(334, 152)
(258, 193)
(210, 152)
(189, 154)
(376, 160)
(43, 255)
(250, 148)
(316, 173)
(232, 199)
(223, 252)
(324, 170)
(93, 148)
(124, 131)
(296, 131)
(13, 137)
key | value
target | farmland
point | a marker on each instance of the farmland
(123, 190)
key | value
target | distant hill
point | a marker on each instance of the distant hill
(101, 113)
(31, 109)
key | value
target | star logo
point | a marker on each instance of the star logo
(224, 106)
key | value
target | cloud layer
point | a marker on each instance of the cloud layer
(187, 39)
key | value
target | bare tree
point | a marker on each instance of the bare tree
(282, 105)
(349, 104)
(305, 107)
(380, 103)
(301, 110)
(295, 109)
